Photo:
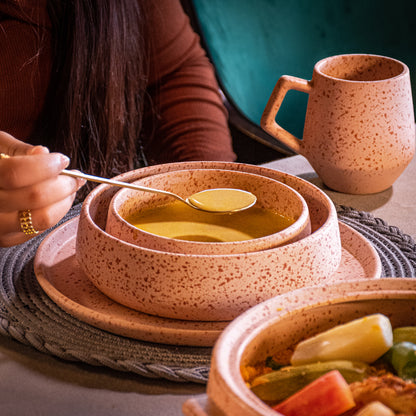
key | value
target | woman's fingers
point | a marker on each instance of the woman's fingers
(39, 195)
(42, 219)
(22, 171)
(30, 180)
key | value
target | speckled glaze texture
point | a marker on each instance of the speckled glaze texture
(60, 276)
(278, 324)
(359, 132)
(204, 287)
(272, 195)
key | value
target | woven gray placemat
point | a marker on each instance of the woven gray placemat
(28, 315)
(397, 250)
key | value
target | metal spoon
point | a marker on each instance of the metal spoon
(221, 200)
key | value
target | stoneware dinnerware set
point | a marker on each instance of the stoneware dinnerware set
(170, 291)
(277, 288)
(203, 286)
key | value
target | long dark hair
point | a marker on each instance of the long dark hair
(94, 106)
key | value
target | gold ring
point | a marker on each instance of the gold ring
(4, 156)
(25, 218)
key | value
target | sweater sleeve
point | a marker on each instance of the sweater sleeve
(25, 50)
(191, 121)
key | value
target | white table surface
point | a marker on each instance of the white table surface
(32, 383)
(396, 205)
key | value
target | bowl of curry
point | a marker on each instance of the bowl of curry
(338, 349)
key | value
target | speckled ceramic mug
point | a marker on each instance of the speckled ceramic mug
(359, 132)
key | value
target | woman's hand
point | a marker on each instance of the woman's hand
(30, 180)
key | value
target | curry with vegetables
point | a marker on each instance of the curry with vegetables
(361, 368)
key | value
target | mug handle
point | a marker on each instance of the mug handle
(268, 119)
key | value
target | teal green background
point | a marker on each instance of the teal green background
(252, 43)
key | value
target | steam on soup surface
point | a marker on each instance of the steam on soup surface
(177, 220)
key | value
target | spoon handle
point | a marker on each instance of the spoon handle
(92, 178)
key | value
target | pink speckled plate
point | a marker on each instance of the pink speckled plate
(64, 282)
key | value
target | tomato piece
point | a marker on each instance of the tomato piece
(328, 395)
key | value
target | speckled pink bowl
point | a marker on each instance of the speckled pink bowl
(204, 287)
(271, 195)
(278, 324)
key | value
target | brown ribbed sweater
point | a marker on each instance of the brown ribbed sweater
(191, 121)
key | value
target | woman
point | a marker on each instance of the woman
(112, 84)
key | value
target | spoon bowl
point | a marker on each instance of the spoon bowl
(223, 200)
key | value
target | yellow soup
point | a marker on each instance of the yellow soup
(177, 220)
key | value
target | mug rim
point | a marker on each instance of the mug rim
(318, 67)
